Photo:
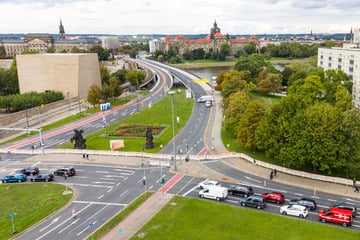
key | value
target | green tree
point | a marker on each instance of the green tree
(343, 98)
(135, 77)
(254, 63)
(120, 75)
(94, 95)
(250, 48)
(103, 54)
(232, 83)
(107, 92)
(104, 75)
(2, 52)
(50, 50)
(75, 50)
(225, 48)
(268, 82)
(248, 124)
(115, 86)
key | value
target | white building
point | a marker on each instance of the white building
(110, 42)
(346, 59)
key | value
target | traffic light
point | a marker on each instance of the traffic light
(144, 180)
(187, 159)
(162, 180)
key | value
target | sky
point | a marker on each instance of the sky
(120, 17)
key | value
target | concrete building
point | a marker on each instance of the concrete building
(72, 74)
(347, 59)
(110, 42)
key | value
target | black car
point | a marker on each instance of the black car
(347, 207)
(240, 190)
(306, 202)
(69, 171)
(44, 177)
(30, 171)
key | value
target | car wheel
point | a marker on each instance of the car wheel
(277, 202)
(301, 216)
(202, 196)
(217, 199)
(243, 204)
(46, 180)
(285, 213)
(323, 220)
(344, 224)
(258, 207)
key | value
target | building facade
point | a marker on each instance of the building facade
(212, 41)
(41, 42)
(72, 74)
(347, 59)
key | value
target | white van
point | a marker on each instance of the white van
(214, 192)
(205, 98)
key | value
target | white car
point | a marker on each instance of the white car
(206, 184)
(294, 210)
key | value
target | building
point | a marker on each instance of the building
(72, 74)
(212, 42)
(347, 59)
(42, 42)
(110, 42)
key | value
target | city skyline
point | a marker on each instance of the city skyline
(180, 17)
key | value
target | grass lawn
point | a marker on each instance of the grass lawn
(187, 218)
(158, 114)
(205, 63)
(29, 202)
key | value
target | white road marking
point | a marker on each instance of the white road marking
(332, 200)
(258, 181)
(101, 171)
(298, 194)
(185, 185)
(102, 203)
(85, 229)
(69, 225)
(52, 222)
(100, 197)
(123, 193)
(104, 182)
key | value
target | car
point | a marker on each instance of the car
(295, 210)
(208, 183)
(274, 197)
(208, 103)
(240, 190)
(347, 207)
(214, 192)
(307, 202)
(30, 171)
(43, 177)
(16, 177)
(69, 171)
(336, 215)
(256, 201)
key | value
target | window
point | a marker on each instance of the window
(351, 61)
(339, 67)
(339, 60)
(351, 69)
(330, 58)
(321, 57)
(329, 65)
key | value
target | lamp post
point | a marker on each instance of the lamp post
(173, 125)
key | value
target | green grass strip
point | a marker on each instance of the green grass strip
(195, 219)
(119, 217)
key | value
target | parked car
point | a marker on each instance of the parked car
(307, 202)
(274, 197)
(16, 177)
(240, 190)
(214, 192)
(336, 215)
(347, 207)
(43, 177)
(30, 171)
(70, 171)
(294, 210)
(208, 183)
(256, 201)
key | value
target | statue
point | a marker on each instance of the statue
(79, 140)
(149, 138)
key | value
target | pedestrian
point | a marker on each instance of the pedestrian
(87, 156)
(275, 171)
(354, 182)
(83, 155)
(254, 161)
(271, 174)
(356, 188)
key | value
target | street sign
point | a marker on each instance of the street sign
(120, 231)
(91, 224)
(11, 216)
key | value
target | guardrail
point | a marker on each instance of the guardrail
(169, 157)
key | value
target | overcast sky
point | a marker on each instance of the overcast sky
(179, 16)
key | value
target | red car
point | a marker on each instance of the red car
(274, 197)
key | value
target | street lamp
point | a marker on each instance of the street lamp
(173, 125)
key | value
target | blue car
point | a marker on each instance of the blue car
(16, 177)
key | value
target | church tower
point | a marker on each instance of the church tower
(214, 30)
(61, 30)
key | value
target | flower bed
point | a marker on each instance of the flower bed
(135, 130)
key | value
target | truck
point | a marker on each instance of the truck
(205, 98)
(336, 215)
(214, 192)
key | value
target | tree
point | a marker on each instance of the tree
(248, 123)
(75, 50)
(254, 63)
(94, 95)
(115, 86)
(232, 83)
(268, 82)
(2, 52)
(103, 54)
(120, 75)
(50, 50)
(343, 98)
(250, 48)
(135, 77)
(104, 75)
(225, 48)
(107, 92)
